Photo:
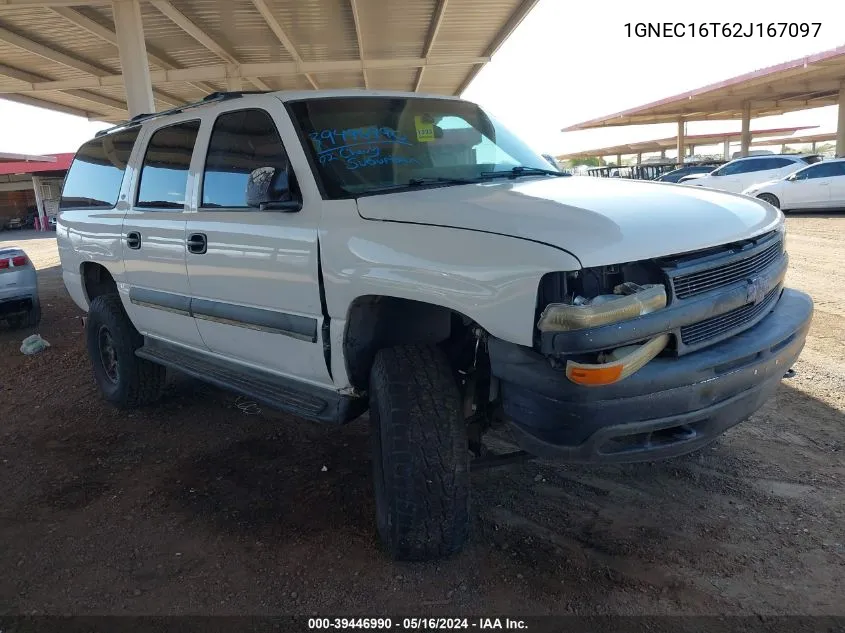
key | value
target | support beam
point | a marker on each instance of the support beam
(36, 48)
(220, 72)
(619, 160)
(233, 82)
(280, 34)
(21, 75)
(840, 124)
(814, 147)
(107, 35)
(51, 3)
(359, 38)
(39, 204)
(133, 57)
(56, 107)
(436, 21)
(184, 23)
(745, 138)
(681, 141)
(639, 158)
(726, 150)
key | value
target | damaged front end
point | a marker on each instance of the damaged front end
(652, 359)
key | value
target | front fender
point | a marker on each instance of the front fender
(492, 279)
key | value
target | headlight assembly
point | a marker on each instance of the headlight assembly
(628, 302)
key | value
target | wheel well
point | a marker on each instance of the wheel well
(375, 322)
(97, 281)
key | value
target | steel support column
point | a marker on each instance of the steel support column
(39, 204)
(619, 160)
(840, 125)
(745, 144)
(726, 150)
(681, 141)
(133, 56)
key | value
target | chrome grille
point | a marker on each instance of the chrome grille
(696, 283)
(727, 322)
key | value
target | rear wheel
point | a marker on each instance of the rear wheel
(420, 454)
(771, 199)
(124, 379)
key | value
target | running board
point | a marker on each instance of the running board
(304, 400)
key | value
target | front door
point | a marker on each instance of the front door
(154, 237)
(254, 274)
(810, 189)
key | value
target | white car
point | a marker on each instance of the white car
(819, 186)
(333, 252)
(737, 175)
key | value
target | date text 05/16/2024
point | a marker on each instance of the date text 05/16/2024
(722, 29)
(417, 624)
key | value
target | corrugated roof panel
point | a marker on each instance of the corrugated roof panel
(328, 81)
(320, 31)
(444, 79)
(161, 32)
(470, 26)
(48, 28)
(398, 79)
(395, 29)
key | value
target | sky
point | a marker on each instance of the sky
(572, 61)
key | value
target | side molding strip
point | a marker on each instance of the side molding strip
(293, 325)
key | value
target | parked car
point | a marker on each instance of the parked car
(676, 174)
(332, 252)
(739, 174)
(819, 186)
(19, 303)
(689, 177)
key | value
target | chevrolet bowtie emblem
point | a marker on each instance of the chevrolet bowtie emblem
(756, 290)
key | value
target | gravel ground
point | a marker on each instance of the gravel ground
(194, 506)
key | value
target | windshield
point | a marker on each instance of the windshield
(363, 145)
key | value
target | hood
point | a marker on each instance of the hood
(759, 185)
(599, 220)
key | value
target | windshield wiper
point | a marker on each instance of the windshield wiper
(522, 170)
(436, 180)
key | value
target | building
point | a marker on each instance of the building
(30, 185)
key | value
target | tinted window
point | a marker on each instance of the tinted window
(94, 178)
(240, 143)
(164, 175)
(777, 163)
(822, 170)
(738, 167)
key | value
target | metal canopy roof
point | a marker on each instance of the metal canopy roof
(62, 54)
(5, 157)
(803, 139)
(657, 145)
(809, 82)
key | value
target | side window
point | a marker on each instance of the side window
(732, 169)
(164, 174)
(241, 142)
(822, 170)
(755, 164)
(777, 163)
(94, 178)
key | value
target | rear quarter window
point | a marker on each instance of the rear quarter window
(95, 176)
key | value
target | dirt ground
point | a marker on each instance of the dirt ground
(198, 507)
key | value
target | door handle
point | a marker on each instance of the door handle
(197, 243)
(133, 240)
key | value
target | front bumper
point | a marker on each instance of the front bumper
(670, 407)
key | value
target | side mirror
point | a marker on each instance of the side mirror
(268, 189)
(791, 178)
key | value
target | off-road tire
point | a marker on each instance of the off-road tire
(138, 382)
(420, 453)
(770, 198)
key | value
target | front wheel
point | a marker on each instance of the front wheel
(772, 200)
(420, 453)
(124, 379)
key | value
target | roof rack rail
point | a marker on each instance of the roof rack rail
(214, 97)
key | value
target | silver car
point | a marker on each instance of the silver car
(19, 304)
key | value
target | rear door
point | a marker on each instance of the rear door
(763, 169)
(255, 285)
(837, 184)
(154, 235)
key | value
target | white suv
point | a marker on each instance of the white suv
(333, 252)
(740, 174)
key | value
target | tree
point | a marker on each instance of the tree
(589, 162)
